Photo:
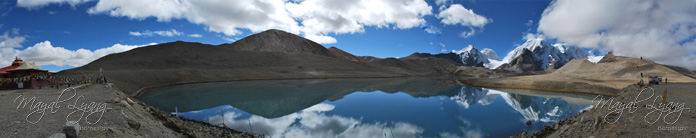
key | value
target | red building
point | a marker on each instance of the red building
(22, 74)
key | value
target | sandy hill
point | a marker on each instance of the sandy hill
(608, 76)
(186, 62)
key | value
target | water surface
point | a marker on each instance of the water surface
(397, 107)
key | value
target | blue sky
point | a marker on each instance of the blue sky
(392, 30)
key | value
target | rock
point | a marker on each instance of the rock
(133, 124)
(115, 100)
(57, 135)
(596, 124)
(528, 122)
(71, 129)
(130, 101)
(124, 103)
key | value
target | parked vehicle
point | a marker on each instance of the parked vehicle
(654, 79)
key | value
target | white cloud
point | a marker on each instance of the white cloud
(443, 45)
(318, 18)
(529, 23)
(168, 33)
(530, 36)
(44, 53)
(11, 39)
(467, 34)
(457, 14)
(442, 2)
(432, 29)
(228, 38)
(196, 35)
(321, 17)
(658, 30)
(322, 39)
(32, 4)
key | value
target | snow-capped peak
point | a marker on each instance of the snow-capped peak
(467, 49)
(490, 54)
(470, 56)
(557, 54)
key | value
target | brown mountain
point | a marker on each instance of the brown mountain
(343, 54)
(278, 41)
(270, 54)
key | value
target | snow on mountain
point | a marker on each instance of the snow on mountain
(592, 58)
(490, 54)
(471, 56)
(547, 54)
(493, 63)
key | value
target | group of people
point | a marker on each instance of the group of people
(54, 79)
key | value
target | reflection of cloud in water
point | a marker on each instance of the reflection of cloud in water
(467, 128)
(312, 122)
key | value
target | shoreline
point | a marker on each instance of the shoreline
(115, 114)
(141, 91)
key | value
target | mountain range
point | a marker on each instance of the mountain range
(272, 54)
(542, 56)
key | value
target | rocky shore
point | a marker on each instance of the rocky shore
(100, 111)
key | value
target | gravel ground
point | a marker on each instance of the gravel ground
(122, 116)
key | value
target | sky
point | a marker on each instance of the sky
(62, 34)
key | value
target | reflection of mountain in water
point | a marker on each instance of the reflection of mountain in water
(423, 107)
(276, 98)
(533, 108)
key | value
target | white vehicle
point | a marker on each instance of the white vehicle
(654, 79)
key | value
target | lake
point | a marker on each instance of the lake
(391, 107)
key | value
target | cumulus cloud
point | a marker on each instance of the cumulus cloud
(321, 17)
(315, 19)
(168, 33)
(662, 31)
(456, 14)
(44, 53)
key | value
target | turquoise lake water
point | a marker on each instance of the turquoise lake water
(395, 107)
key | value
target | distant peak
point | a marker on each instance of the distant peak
(467, 49)
(470, 47)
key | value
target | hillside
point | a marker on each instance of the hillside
(608, 76)
(268, 55)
